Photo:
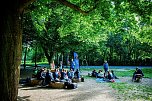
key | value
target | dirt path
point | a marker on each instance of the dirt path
(86, 91)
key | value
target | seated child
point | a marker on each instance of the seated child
(100, 74)
(94, 73)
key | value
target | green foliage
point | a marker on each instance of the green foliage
(89, 69)
(147, 72)
(115, 30)
(125, 73)
(132, 91)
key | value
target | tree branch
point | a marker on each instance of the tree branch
(25, 3)
(77, 8)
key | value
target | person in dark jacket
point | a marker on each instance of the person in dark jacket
(48, 77)
(137, 74)
(77, 74)
(94, 73)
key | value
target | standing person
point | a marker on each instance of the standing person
(76, 60)
(105, 66)
(53, 65)
(72, 64)
(61, 66)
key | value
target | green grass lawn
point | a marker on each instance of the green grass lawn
(133, 91)
(126, 73)
(129, 91)
(129, 73)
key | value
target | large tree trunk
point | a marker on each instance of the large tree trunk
(48, 56)
(10, 52)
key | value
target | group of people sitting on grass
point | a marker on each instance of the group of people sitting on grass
(108, 75)
(57, 75)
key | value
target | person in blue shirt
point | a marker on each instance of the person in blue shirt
(105, 66)
(72, 64)
(71, 74)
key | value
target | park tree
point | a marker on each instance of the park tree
(11, 32)
(11, 45)
(11, 40)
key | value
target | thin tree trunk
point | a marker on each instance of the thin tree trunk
(67, 60)
(25, 57)
(62, 55)
(35, 56)
(58, 58)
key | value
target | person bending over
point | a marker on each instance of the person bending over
(138, 74)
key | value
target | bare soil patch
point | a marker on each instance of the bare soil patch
(86, 91)
(89, 90)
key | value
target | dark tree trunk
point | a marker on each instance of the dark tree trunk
(10, 52)
(111, 55)
(35, 56)
(58, 58)
(48, 56)
(25, 57)
(67, 60)
(10, 45)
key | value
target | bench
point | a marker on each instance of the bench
(57, 85)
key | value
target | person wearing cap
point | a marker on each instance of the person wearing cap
(137, 74)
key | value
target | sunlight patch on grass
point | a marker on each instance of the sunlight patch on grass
(132, 92)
